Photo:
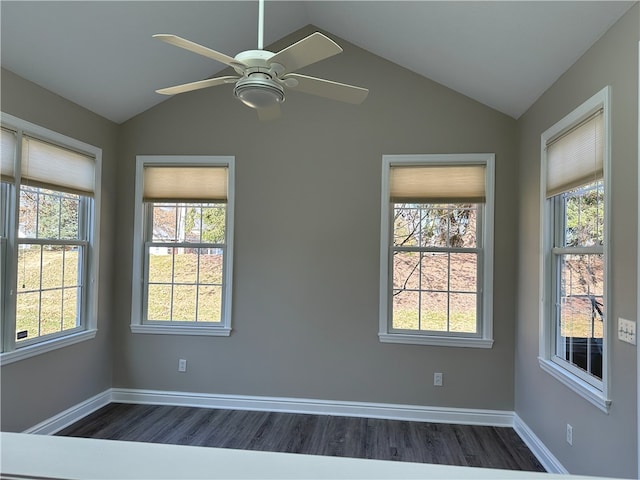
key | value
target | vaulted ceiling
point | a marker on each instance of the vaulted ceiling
(101, 55)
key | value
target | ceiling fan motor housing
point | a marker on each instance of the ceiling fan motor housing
(257, 88)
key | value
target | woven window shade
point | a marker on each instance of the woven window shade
(7, 155)
(186, 184)
(49, 166)
(437, 184)
(576, 157)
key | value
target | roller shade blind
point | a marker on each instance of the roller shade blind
(437, 184)
(7, 151)
(188, 184)
(576, 157)
(51, 166)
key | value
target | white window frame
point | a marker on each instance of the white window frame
(596, 394)
(138, 324)
(484, 338)
(89, 313)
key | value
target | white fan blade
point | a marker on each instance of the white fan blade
(269, 113)
(328, 89)
(188, 87)
(309, 50)
(199, 49)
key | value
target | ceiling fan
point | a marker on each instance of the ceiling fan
(264, 75)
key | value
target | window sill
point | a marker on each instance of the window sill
(582, 388)
(46, 346)
(181, 330)
(435, 341)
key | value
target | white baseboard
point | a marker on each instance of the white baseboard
(71, 415)
(539, 449)
(417, 413)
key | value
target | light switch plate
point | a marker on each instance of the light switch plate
(182, 365)
(627, 331)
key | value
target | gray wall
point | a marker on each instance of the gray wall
(39, 387)
(602, 444)
(307, 236)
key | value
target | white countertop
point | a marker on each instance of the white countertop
(42, 456)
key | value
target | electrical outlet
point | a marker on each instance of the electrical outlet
(182, 365)
(569, 434)
(627, 331)
(437, 379)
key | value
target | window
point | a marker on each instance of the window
(184, 235)
(437, 250)
(573, 346)
(50, 197)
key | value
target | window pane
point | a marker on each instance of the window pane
(174, 278)
(184, 303)
(435, 271)
(406, 225)
(164, 223)
(202, 223)
(209, 304)
(160, 264)
(192, 222)
(214, 224)
(582, 276)
(69, 206)
(211, 261)
(43, 306)
(576, 318)
(452, 225)
(584, 216)
(189, 222)
(71, 271)
(28, 267)
(433, 311)
(464, 272)
(27, 315)
(51, 312)
(405, 310)
(52, 266)
(462, 312)
(159, 302)
(48, 215)
(435, 226)
(28, 212)
(185, 268)
(70, 317)
(406, 270)
(581, 311)
(462, 225)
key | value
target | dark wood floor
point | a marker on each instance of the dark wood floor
(475, 446)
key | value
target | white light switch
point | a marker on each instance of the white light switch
(182, 365)
(627, 331)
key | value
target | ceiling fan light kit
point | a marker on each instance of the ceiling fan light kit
(257, 88)
(258, 91)
(263, 75)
